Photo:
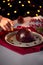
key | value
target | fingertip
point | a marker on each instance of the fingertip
(12, 22)
(4, 28)
(12, 28)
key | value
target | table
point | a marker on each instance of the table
(9, 57)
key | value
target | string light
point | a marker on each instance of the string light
(29, 2)
(8, 14)
(3, 9)
(38, 10)
(12, 0)
(19, 1)
(28, 12)
(0, 7)
(8, 0)
(36, 14)
(11, 3)
(8, 3)
(15, 11)
(40, 6)
(33, 5)
(4, 1)
(22, 5)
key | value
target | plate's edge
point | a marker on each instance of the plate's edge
(22, 46)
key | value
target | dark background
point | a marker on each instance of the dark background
(32, 7)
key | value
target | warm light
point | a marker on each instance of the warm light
(15, 11)
(28, 12)
(36, 14)
(22, 5)
(19, 1)
(8, 14)
(8, 3)
(40, 6)
(8, 0)
(33, 5)
(4, 1)
(0, 7)
(29, 2)
(3, 9)
(38, 10)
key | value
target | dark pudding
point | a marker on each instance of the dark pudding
(25, 36)
(20, 19)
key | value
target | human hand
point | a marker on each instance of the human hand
(6, 24)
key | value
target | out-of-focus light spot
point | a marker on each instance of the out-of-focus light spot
(22, 5)
(38, 10)
(3, 9)
(8, 0)
(15, 11)
(8, 14)
(28, 1)
(28, 12)
(0, 7)
(33, 5)
(40, 6)
(8, 3)
(4, 1)
(36, 14)
(19, 1)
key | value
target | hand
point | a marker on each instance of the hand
(6, 24)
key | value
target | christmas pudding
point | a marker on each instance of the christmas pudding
(20, 20)
(25, 36)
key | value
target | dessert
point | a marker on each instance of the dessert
(25, 36)
(20, 20)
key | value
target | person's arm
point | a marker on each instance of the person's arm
(0, 18)
(0, 22)
(6, 23)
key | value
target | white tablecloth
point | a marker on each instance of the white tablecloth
(8, 57)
